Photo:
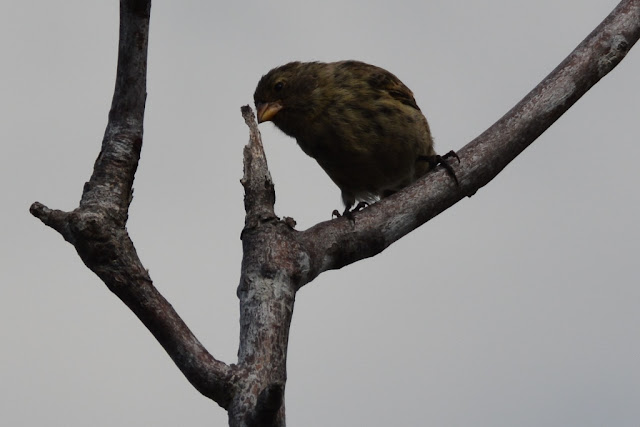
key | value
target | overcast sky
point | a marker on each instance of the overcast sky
(517, 307)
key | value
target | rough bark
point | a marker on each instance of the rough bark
(278, 260)
(97, 228)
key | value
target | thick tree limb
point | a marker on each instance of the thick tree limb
(277, 259)
(97, 228)
(269, 277)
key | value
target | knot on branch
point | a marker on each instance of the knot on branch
(76, 225)
(618, 48)
(54, 218)
(100, 240)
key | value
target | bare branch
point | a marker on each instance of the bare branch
(277, 259)
(334, 244)
(259, 193)
(271, 265)
(97, 228)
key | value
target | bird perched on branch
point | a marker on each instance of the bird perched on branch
(359, 121)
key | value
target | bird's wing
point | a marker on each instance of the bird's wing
(379, 80)
(382, 80)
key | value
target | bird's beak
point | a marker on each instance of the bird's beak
(267, 110)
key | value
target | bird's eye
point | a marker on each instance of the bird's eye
(278, 86)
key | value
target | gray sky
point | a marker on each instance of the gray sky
(517, 307)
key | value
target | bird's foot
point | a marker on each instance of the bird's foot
(436, 160)
(349, 212)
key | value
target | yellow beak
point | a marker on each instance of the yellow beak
(267, 110)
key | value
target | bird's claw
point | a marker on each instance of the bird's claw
(349, 212)
(437, 159)
(449, 155)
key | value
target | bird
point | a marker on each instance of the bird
(358, 121)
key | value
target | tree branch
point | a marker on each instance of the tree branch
(277, 259)
(334, 244)
(97, 228)
(268, 282)
(259, 192)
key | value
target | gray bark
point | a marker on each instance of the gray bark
(278, 260)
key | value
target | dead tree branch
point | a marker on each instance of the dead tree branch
(97, 228)
(278, 260)
(334, 244)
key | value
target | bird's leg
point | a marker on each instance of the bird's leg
(358, 208)
(349, 212)
(436, 160)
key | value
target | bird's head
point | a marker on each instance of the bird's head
(285, 93)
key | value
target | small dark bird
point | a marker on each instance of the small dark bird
(359, 121)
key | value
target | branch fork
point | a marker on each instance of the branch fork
(278, 260)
